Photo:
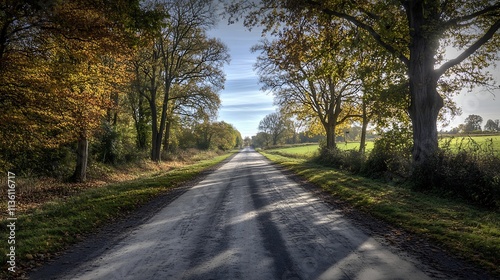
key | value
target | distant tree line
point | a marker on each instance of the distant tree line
(473, 124)
(278, 129)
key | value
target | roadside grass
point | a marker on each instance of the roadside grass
(466, 231)
(56, 224)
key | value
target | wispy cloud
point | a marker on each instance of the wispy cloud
(243, 103)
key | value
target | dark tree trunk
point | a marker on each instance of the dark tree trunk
(156, 146)
(425, 100)
(364, 125)
(166, 140)
(82, 154)
(158, 130)
(156, 136)
(330, 136)
(424, 110)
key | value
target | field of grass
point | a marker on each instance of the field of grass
(455, 143)
(309, 150)
(56, 224)
(465, 230)
(472, 143)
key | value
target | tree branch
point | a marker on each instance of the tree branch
(455, 21)
(364, 26)
(474, 47)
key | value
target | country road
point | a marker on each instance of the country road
(245, 220)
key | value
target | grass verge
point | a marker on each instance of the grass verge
(56, 224)
(464, 230)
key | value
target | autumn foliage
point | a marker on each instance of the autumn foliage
(71, 77)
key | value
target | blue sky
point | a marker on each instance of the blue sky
(244, 104)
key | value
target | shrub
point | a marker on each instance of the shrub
(470, 174)
(390, 157)
(350, 160)
(45, 162)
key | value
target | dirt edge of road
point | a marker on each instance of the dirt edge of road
(398, 240)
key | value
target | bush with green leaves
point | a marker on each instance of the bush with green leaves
(350, 160)
(471, 173)
(391, 156)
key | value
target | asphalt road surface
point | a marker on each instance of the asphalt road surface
(245, 220)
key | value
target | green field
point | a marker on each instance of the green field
(483, 143)
(455, 143)
(310, 150)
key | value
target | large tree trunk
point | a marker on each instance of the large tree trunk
(330, 136)
(424, 110)
(158, 130)
(425, 100)
(156, 147)
(82, 154)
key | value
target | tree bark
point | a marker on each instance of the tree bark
(156, 136)
(424, 110)
(425, 100)
(364, 125)
(156, 146)
(330, 136)
(166, 140)
(82, 154)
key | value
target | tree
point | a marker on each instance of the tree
(310, 70)
(145, 86)
(492, 125)
(382, 83)
(89, 74)
(473, 123)
(417, 32)
(216, 135)
(192, 101)
(275, 125)
(181, 56)
(261, 140)
(247, 141)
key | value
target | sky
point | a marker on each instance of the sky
(244, 104)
